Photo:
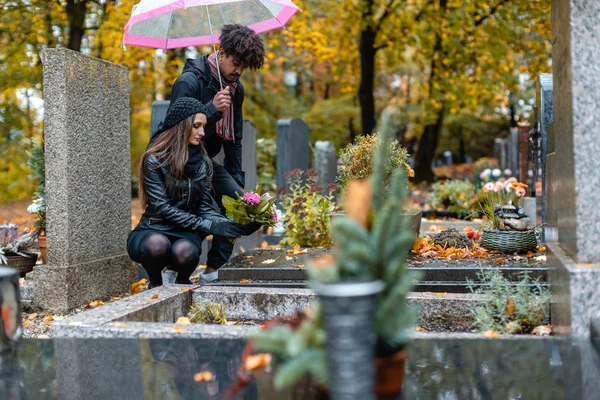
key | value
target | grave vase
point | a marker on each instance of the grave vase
(349, 310)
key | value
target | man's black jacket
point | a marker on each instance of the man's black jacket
(196, 81)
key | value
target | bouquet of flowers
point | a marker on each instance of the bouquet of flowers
(251, 208)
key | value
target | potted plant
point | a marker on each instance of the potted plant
(306, 210)
(36, 164)
(363, 285)
(16, 250)
(356, 163)
(509, 229)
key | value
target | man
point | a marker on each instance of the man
(240, 48)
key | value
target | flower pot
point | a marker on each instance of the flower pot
(23, 264)
(390, 374)
(509, 241)
(413, 215)
(42, 246)
(349, 319)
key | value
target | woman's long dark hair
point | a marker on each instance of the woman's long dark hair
(171, 147)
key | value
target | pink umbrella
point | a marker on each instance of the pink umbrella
(170, 24)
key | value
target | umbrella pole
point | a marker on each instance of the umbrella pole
(214, 48)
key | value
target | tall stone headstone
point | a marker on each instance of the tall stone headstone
(325, 162)
(545, 106)
(88, 187)
(249, 155)
(500, 147)
(575, 258)
(292, 147)
(159, 112)
(513, 151)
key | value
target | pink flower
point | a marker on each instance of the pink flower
(489, 187)
(252, 198)
(274, 216)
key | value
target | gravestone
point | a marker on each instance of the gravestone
(88, 187)
(513, 151)
(292, 147)
(545, 105)
(523, 153)
(325, 162)
(159, 112)
(500, 152)
(575, 141)
(249, 155)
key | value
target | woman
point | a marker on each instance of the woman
(175, 175)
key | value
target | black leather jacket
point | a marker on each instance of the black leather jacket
(183, 206)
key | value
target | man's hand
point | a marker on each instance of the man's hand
(222, 100)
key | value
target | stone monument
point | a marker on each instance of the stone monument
(88, 186)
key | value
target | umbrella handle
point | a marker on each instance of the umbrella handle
(214, 48)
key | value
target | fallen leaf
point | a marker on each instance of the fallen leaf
(43, 337)
(49, 318)
(541, 248)
(300, 266)
(245, 281)
(121, 324)
(264, 244)
(32, 316)
(269, 261)
(242, 250)
(137, 287)
(542, 330)
(500, 261)
(510, 306)
(179, 329)
(25, 323)
(441, 294)
(288, 258)
(540, 258)
(183, 320)
(58, 317)
(419, 329)
(290, 251)
(154, 297)
(258, 361)
(185, 289)
(205, 376)
(249, 257)
(96, 303)
(530, 254)
(490, 334)
(296, 249)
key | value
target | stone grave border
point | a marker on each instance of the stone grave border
(151, 314)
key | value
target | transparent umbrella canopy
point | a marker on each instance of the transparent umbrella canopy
(169, 24)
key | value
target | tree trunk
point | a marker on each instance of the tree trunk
(367, 78)
(427, 147)
(76, 11)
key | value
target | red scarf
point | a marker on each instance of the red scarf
(225, 127)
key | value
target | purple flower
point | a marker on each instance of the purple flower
(252, 198)
(274, 216)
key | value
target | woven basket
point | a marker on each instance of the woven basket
(23, 264)
(509, 241)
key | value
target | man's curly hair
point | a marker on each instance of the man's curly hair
(244, 44)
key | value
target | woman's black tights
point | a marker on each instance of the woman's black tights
(158, 252)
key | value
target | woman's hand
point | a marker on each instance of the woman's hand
(231, 230)
(250, 228)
